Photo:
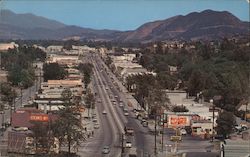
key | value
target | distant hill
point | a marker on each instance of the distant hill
(29, 26)
(207, 24)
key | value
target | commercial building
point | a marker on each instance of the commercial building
(21, 139)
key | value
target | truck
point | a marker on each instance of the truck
(132, 152)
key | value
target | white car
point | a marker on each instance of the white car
(104, 112)
(121, 104)
(126, 113)
(183, 132)
(128, 144)
(96, 126)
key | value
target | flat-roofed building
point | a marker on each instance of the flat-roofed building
(54, 88)
(6, 46)
(54, 48)
(68, 60)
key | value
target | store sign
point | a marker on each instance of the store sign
(40, 118)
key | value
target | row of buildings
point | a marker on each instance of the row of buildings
(45, 104)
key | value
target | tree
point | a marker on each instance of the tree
(8, 93)
(157, 100)
(41, 134)
(89, 100)
(67, 96)
(179, 109)
(87, 70)
(53, 71)
(225, 123)
(68, 128)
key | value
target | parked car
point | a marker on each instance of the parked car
(183, 132)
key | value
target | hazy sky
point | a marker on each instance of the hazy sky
(121, 14)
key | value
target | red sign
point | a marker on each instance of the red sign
(178, 120)
(41, 118)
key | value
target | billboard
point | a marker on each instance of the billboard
(177, 121)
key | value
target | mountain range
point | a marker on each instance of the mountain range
(205, 25)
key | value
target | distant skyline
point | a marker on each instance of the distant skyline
(121, 14)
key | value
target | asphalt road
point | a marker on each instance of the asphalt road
(142, 139)
(110, 125)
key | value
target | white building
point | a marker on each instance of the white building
(54, 48)
(68, 60)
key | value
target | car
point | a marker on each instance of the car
(104, 112)
(121, 104)
(128, 144)
(94, 120)
(126, 113)
(96, 126)
(145, 124)
(116, 96)
(106, 150)
(183, 132)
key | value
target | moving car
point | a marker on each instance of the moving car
(105, 150)
(126, 113)
(104, 112)
(121, 104)
(128, 144)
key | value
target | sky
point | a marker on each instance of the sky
(121, 14)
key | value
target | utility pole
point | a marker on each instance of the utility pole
(155, 149)
(122, 145)
(21, 96)
(212, 101)
(162, 134)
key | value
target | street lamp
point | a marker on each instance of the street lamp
(212, 102)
